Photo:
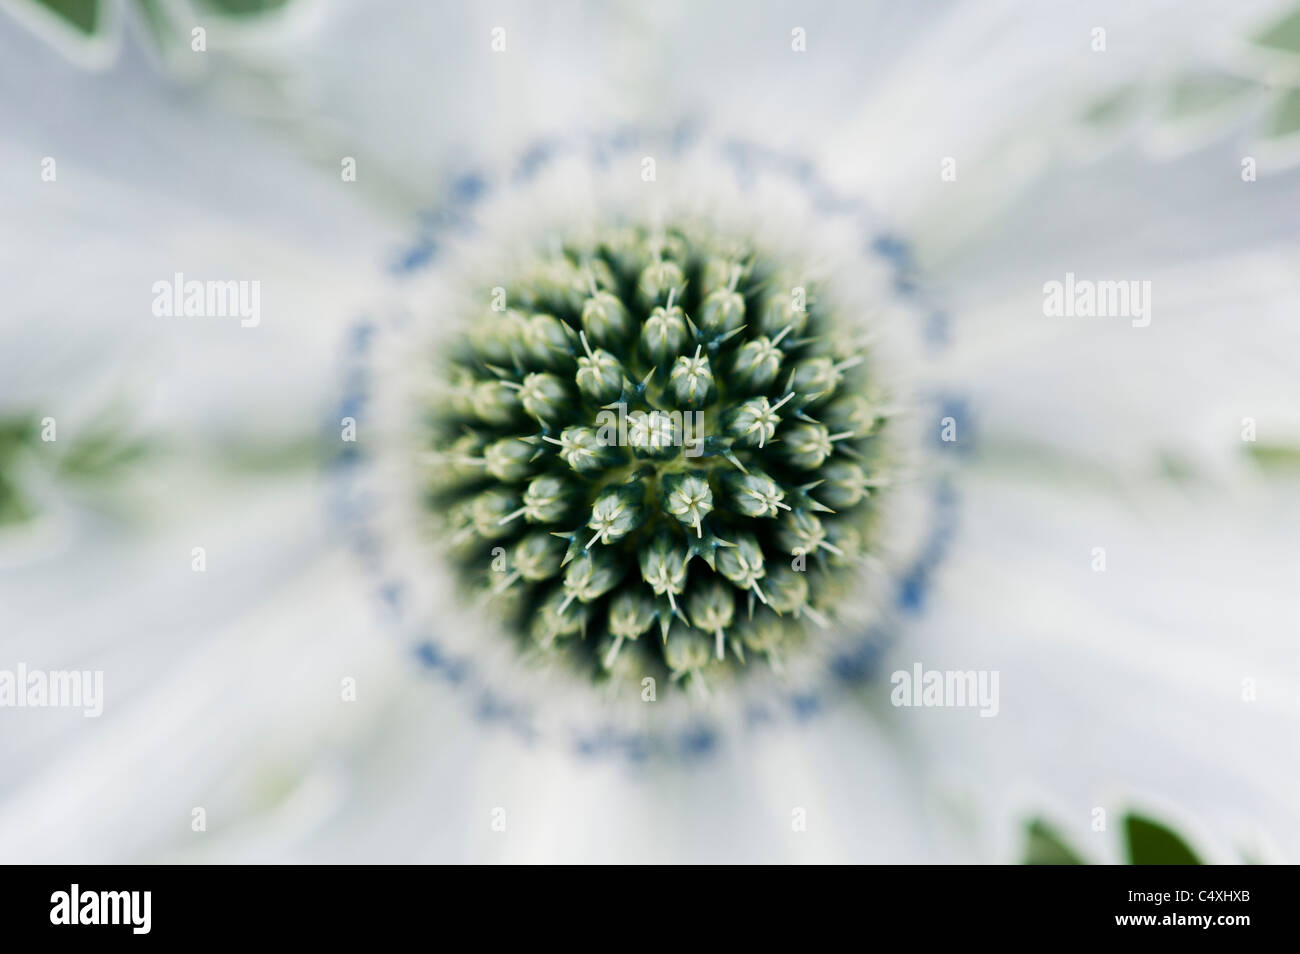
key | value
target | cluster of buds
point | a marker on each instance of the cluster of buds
(660, 454)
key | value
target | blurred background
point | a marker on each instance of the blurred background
(1155, 142)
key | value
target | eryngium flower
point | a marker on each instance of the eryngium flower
(658, 451)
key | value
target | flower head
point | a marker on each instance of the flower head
(671, 438)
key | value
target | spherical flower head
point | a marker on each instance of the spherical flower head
(666, 446)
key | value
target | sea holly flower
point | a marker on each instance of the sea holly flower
(700, 524)
(1133, 644)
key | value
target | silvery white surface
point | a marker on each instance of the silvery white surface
(223, 691)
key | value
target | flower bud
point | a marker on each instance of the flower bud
(806, 445)
(663, 566)
(495, 338)
(487, 511)
(658, 279)
(664, 334)
(605, 320)
(815, 378)
(631, 614)
(765, 633)
(716, 275)
(720, 312)
(589, 578)
(800, 532)
(711, 607)
(550, 342)
(688, 498)
(754, 494)
(559, 615)
(853, 413)
(509, 459)
(652, 435)
(691, 379)
(758, 363)
(754, 422)
(843, 485)
(617, 512)
(547, 499)
(460, 392)
(537, 556)
(495, 403)
(544, 396)
(462, 460)
(777, 313)
(600, 376)
(787, 590)
(686, 651)
(556, 284)
(743, 563)
(581, 449)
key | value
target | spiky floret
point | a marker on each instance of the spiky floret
(663, 455)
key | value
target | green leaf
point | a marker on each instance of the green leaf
(1195, 94)
(1286, 119)
(1111, 109)
(157, 22)
(1283, 35)
(14, 508)
(242, 8)
(81, 14)
(1043, 846)
(1150, 843)
(1274, 458)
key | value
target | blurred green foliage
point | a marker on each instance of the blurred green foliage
(1045, 847)
(86, 15)
(1284, 34)
(1147, 842)
(15, 435)
(95, 458)
(1151, 843)
(82, 14)
(1274, 458)
(1204, 94)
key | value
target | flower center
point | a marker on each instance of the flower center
(662, 455)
